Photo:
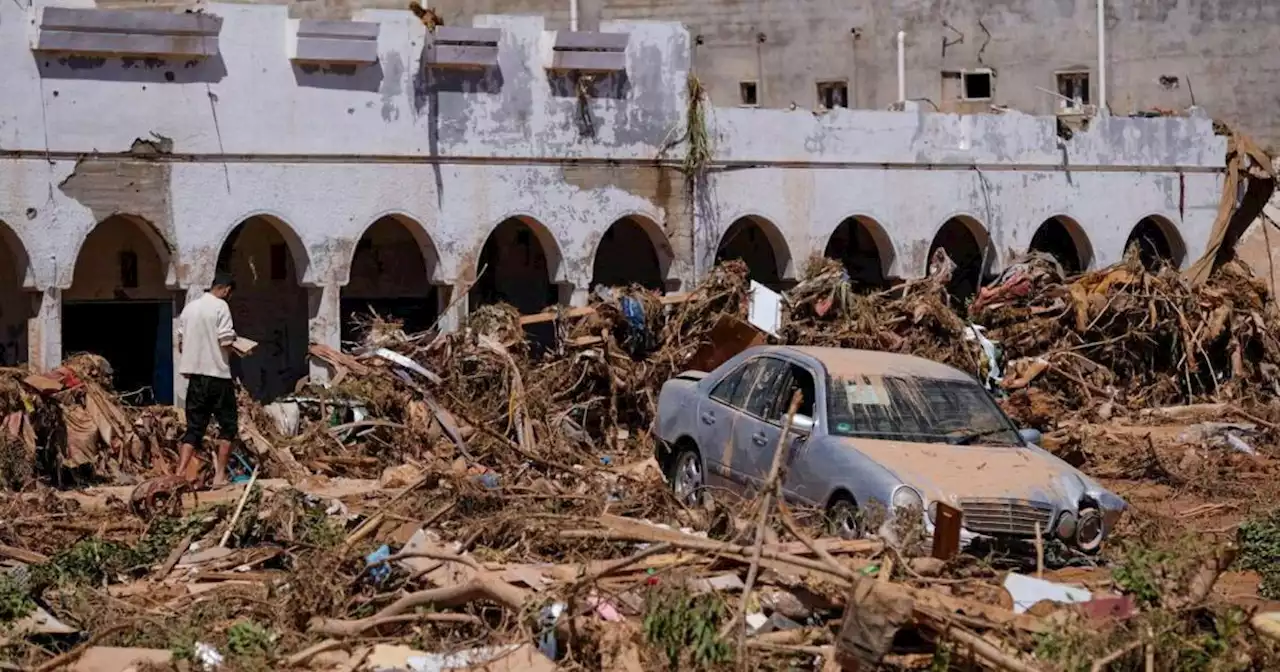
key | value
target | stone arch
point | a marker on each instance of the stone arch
(968, 244)
(634, 249)
(1157, 239)
(520, 263)
(1064, 239)
(270, 304)
(16, 305)
(304, 270)
(391, 273)
(120, 305)
(864, 247)
(758, 242)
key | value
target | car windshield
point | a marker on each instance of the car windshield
(925, 410)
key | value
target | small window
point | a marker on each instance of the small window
(129, 269)
(748, 93)
(279, 261)
(1073, 89)
(978, 85)
(833, 94)
(732, 389)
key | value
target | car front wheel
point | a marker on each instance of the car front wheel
(686, 476)
(844, 520)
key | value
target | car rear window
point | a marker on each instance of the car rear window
(928, 410)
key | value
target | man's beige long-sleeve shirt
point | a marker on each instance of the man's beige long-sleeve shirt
(204, 329)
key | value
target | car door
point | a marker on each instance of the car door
(718, 413)
(756, 432)
(808, 469)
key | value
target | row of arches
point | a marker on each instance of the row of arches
(870, 257)
(124, 293)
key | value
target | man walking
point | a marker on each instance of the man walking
(205, 335)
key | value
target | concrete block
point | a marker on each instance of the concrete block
(455, 47)
(589, 51)
(127, 33)
(337, 42)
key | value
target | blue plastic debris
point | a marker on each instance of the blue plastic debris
(606, 460)
(638, 336)
(379, 570)
(489, 480)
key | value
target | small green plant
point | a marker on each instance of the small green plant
(698, 156)
(249, 639)
(15, 601)
(1259, 540)
(1139, 574)
(684, 627)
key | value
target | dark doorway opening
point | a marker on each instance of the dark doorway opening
(1054, 238)
(971, 257)
(748, 241)
(136, 337)
(1149, 241)
(853, 245)
(626, 256)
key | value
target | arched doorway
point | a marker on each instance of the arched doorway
(266, 259)
(516, 266)
(968, 245)
(391, 272)
(758, 243)
(119, 306)
(1063, 239)
(860, 244)
(628, 254)
(16, 306)
(1156, 242)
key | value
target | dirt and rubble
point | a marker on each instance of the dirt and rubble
(464, 501)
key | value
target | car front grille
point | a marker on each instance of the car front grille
(1005, 517)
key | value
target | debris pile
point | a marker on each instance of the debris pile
(461, 501)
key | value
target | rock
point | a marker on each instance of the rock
(926, 566)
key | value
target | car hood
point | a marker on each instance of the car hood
(943, 472)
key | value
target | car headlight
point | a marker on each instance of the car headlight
(905, 497)
(1066, 526)
(1089, 529)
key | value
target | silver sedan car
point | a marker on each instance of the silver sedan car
(875, 429)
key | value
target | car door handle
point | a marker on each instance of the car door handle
(759, 439)
(709, 418)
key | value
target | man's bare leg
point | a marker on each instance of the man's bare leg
(220, 463)
(185, 452)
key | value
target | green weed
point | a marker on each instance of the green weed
(684, 627)
(1259, 540)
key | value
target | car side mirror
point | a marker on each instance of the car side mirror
(802, 424)
(1032, 436)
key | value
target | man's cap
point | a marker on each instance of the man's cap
(224, 279)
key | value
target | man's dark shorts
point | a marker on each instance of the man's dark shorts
(210, 398)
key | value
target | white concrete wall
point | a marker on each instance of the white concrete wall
(328, 154)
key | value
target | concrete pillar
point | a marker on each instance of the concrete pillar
(44, 331)
(453, 307)
(324, 325)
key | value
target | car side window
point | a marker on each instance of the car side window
(798, 378)
(732, 389)
(763, 396)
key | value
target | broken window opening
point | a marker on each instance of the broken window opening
(748, 93)
(1073, 87)
(979, 85)
(833, 94)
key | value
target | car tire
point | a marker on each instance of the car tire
(844, 518)
(686, 475)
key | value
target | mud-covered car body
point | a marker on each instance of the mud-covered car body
(874, 427)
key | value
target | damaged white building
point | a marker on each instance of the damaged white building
(343, 167)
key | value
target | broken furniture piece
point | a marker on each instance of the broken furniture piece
(103, 32)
